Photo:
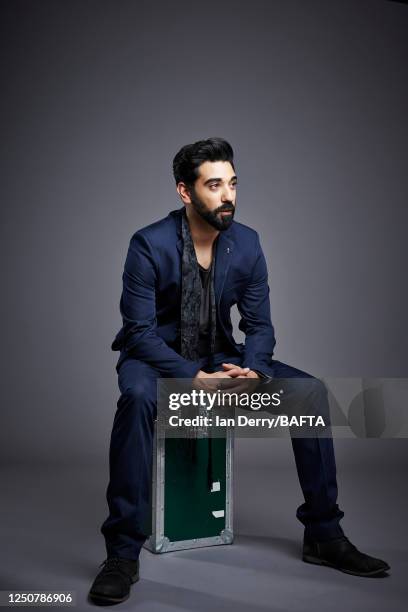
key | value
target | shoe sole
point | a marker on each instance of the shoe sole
(317, 561)
(106, 601)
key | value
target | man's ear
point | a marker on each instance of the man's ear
(184, 192)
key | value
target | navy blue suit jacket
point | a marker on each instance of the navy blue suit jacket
(151, 297)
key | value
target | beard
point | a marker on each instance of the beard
(213, 218)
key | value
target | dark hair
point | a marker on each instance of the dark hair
(191, 156)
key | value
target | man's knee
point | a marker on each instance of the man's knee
(139, 399)
(317, 386)
(306, 396)
(319, 399)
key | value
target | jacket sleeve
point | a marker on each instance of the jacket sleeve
(254, 308)
(138, 309)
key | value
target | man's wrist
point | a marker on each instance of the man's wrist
(264, 377)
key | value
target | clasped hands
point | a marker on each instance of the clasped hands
(231, 372)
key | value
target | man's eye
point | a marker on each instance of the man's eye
(214, 185)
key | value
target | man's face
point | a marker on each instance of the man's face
(213, 196)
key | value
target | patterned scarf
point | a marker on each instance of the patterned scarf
(191, 298)
(190, 332)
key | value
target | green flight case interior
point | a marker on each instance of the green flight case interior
(191, 493)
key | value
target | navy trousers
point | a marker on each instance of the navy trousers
(131, 459)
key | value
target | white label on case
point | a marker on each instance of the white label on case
(216, 486)
(218, 513)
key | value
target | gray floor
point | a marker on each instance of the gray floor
(50, 540)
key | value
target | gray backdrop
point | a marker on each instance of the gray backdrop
(97, 97)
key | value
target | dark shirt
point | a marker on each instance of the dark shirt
(221, 344)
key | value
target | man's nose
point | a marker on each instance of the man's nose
(227, 194)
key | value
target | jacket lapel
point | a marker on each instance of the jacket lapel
(222, 262)
(223, 253)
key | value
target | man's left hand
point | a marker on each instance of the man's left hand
(241, 372)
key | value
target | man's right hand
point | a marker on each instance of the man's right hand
(212, 382)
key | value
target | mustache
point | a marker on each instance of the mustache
(225, 208)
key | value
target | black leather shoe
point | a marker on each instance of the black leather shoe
(112, 584)
(342, 555)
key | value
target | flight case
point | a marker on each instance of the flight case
(191, 492)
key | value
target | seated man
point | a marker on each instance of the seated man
(182, 276)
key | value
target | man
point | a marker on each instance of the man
(182, 275)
